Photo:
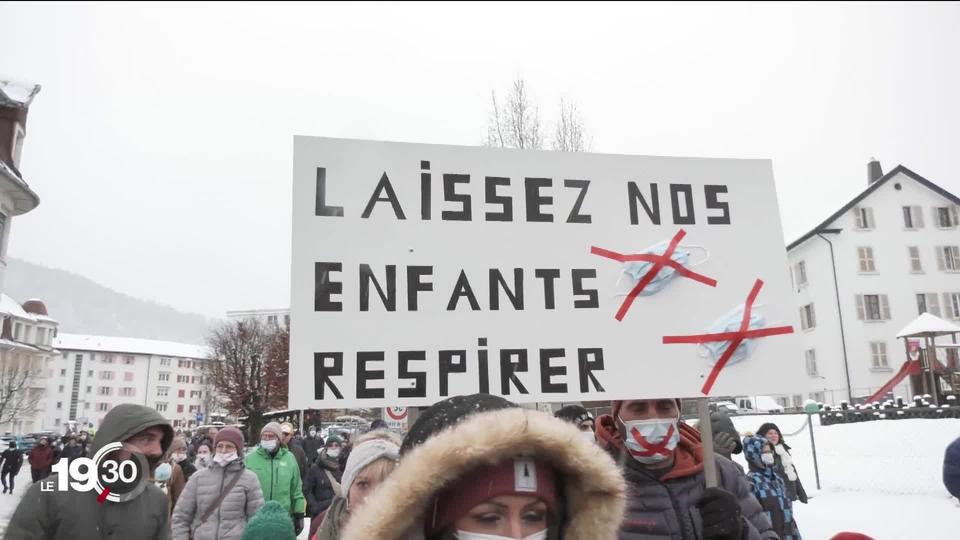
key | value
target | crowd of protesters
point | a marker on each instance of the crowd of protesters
(473, 467)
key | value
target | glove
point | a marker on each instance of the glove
(724, 443)
(720, 513)
(297, 523)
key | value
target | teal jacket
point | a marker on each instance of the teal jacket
(279, 478)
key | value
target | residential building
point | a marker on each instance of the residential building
(864, 273)
(27, 359)
(97, 373)
(278, 318)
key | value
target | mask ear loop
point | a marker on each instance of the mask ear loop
(701, 249)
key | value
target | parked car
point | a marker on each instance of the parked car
(728, 407)
(24, 444)
(758, 404)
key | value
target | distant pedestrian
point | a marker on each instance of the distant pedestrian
(768, 487)
(312, 445)
(580, 417)
(785, 466)
(295, 448)
(204, 456)
(72, 450)
(12, 460)
(951, 468)
(378, 423)
(41, 459)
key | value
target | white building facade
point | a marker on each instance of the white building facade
(867, 271)
(96, 373)
(277, 318)
(27, 358)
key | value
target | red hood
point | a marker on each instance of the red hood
(687, 458)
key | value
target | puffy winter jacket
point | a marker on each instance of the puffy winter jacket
(203, 489)
(665, 507)
(279, 476)
(951, 468)
(769, 488)
(317, 486)
(70, 515)
(40, 457)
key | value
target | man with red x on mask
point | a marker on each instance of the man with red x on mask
(662, 462)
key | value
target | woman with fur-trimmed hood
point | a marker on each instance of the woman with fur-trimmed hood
(480, 467)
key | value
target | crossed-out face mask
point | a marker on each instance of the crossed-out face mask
(464, 535)
(730, 322)
(635, 270)
(651, 441)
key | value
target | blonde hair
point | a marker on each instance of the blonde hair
(378, 470)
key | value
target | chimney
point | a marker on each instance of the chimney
(874, 172)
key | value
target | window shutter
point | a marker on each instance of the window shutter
(884, 307)
(917, 216)
(870, 223)
(948, 306)
(813, 317)
(940, 263)
(858, 214)
(860, 313)
(953, 212)
(803, 320)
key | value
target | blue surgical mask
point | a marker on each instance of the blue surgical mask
(637, 269)
(162, 472)
(269, 446)
(731, 323)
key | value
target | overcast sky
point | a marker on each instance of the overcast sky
(161, 143)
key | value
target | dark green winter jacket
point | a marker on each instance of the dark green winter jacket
(70, 515)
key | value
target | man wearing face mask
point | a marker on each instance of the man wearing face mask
(580, 417)
(279, 474)
(662, 462)
(140, 513)
(312, 444)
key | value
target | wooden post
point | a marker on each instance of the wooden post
(932, 362)
(706, 438)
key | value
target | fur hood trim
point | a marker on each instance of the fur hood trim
(593, 488)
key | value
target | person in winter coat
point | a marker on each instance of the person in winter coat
(373, 458)
(178, 472)
(726, 438)
(178, 457)
(271, 523)
(41, 459)
(279, 474)
(479, 467)
(12, 460)
(580, 417)
(662, 461)
(951, 468)
(72, 450)
(204, 457)
(312, 445)
(322, 482)
(201, 494)
(785, 467)
(140, 513)
(295, 447)
(768, 487)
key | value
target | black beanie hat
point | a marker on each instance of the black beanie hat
(448, 413)
(574, 414)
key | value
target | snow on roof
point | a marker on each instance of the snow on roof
(10, 306)
(927, 324)
(81, 342)
(17, 94)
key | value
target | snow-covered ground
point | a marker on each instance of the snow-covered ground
(880, 478)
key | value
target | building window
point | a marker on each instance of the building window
(915, 265)
(912, 217)
(948, 258)
(179, 408)
(86, 405)
(59, 405)
(181, 393)
(60, 389)
(819, 397)
(811, 358)
(161, 407)
(106, 375)
(864, 218)
(286, 321)
(873, 307)
(808, 318)
(128, 391)
(103, 407)
(183, 364)
(107, 359)
(16, 331)
(194, 409)
(162, 391)
(951, 304)
(878, 352)
(946, 216)
(194, 380)
(128, 360)
(164, 362)
(164, 376)
(196, 394)
(63, 372)
(183, 378)
(90, 373)
(928, 303)
(801, 274)
(128, 376)
(104, 390)
(865, 254)
(89, 389)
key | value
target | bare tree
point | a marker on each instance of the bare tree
(515, 123)
(18, 397)
(570, 135)
(248, 369)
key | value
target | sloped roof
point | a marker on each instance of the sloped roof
(870, 189)
(17, 94)
(83, 342)
(928, 325)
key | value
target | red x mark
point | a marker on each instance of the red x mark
(649, 448)
(735, 338)
(659, 261)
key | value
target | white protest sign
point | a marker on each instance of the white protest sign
(421, 272)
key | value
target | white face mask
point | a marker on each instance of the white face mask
(269, 446)
(651, 441)
(464, 535)
(224, 459)
(588, 436)
(333, 452)
(203, 461)
(768, 459)
(162, 472)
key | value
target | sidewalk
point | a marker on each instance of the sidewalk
(8, 503)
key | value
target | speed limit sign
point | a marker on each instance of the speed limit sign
(397, 414)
